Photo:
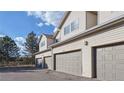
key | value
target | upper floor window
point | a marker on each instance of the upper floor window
(74, 25)
(57, 40)
(42, 43)
(71, 27)
(67, 30)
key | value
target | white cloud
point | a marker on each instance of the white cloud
(20, 43)
(47, 24)
(1, 35)
(40, 24)
(48, 17)
(55, 29)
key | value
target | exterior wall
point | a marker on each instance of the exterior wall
(101, 38)
(50, 41)
(91, 19)
(81, 17)
(108, 15)
(41, 55)
(44, 47)
(110, 36)
(68, 47)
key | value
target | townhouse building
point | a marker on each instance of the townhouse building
(86, 43)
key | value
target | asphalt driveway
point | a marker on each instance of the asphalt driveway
(33, 74)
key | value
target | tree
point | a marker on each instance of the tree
(9, 48)
(32, 43)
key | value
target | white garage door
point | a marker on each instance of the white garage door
(69, 63)
(48, 62)
(110, 63)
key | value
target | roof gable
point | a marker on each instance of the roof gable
(48, 36)
(62, 21)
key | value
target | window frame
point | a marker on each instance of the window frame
(67, 29)
(75, 25)
(42, 44)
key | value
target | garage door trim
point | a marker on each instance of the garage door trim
(63, 53)
(94, 55)
(68, 52)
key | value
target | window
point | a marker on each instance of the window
(42, 43)
(74, 25)
(71, 27)
(57, 40)
(67, 30)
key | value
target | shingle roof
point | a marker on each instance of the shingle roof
(48, 35)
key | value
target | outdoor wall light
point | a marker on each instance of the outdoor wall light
(86, 43)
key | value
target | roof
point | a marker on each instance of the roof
(48, 35)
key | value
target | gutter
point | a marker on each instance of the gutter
(92, 30)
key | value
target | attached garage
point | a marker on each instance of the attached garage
(70, 62)
(110, 62)
(39, 62)
(48, 62)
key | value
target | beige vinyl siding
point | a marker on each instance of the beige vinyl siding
(75, 15)
(43, 39)
(108, 15)
(41, 55)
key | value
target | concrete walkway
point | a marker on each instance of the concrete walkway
(33, 74)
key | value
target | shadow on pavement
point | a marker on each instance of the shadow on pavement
(17, 69)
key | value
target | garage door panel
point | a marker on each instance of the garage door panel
(120, 57)
(109, 76)
(110, 62)
(119, 75)
(120, 67)
(69, 63)
(120, 47)
(108, 67)
(100, 75)
(48, 62)
(108, 49)
(108, 57)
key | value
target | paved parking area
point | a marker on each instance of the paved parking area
(33, 74)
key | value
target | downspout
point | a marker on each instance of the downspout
(53, 60)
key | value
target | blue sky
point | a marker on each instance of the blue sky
(17, 24)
